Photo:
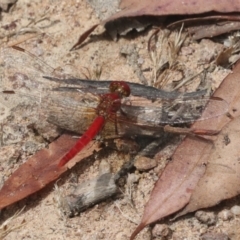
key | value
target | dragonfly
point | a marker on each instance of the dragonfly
(110, 103)
(123, 110)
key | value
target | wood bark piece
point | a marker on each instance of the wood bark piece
(91, 192)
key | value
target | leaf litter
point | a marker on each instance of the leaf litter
(162, 9)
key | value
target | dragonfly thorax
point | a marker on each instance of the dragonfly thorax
(110, 103)
(120, 87)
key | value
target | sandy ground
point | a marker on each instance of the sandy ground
(62, 23)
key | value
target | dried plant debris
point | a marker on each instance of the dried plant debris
(123, 26)
(35, 26)
(8, 227)
(164, 54)
(210, 30)
(89, 192)
(230, 54)
(137, 15)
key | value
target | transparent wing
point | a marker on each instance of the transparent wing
(160, 112)
(74, 110)
(22, 73)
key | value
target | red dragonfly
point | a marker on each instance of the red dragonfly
(71, 109)
(109, 104)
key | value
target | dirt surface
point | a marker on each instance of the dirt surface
(48, 29)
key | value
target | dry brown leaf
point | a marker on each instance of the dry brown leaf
(136, 8)
(210, 30)
(176, 7)
(223, 172)
(178, 181)
(40, 170)
(174, 188)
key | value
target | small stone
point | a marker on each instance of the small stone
(101, 235)
(140, 61)
(235, 210)
(208, 218)
(225, 215)
(145, 164)
(161, 230)
(132, 178)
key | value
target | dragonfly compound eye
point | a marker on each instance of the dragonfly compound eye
(120, 87)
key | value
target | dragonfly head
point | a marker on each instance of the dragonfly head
(120, 87)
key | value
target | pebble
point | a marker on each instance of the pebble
(132, 178)
(208, 218)
(161, 230)
(145, 164)
(235, 210)
(225, 215)
(101, 236)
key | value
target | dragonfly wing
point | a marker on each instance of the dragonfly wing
(73, 112)
(23, 73)
(160, 112)
(70, 111)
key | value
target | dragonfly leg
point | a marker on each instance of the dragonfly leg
(190, 131)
